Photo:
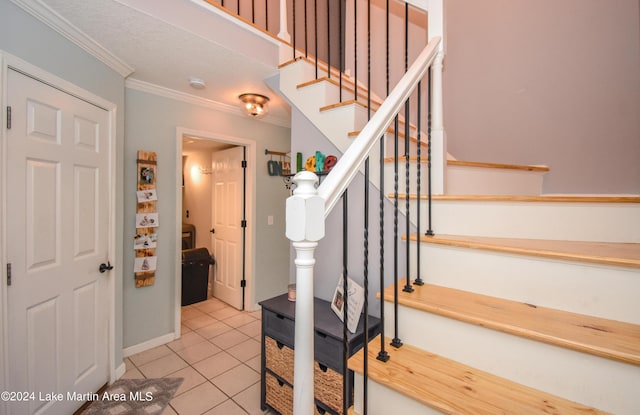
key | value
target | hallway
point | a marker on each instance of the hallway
(218, 356)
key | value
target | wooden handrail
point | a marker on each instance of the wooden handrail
(345, 170)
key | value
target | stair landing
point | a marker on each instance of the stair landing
(453, 388)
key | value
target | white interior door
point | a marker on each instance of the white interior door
(58, 212)
(228, 196)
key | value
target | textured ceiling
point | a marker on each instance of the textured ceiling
(168, 42)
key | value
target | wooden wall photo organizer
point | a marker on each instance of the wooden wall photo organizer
(146, 220)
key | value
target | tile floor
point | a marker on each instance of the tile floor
(218, 355)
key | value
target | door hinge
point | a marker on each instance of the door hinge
(8, 117)
(243, 283)
(9, 274)
(243, 224)
(244, 164)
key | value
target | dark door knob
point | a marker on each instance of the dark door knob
(105, 267)
(212, 230)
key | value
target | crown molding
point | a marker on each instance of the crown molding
(150, 88)
(46, 15)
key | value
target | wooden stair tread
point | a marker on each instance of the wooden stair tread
(598, 336)
(363, 104)
(403, 159)
(544, 198)
(541, 198)
(608, 253)
(497, 165)
(484, 165)
(321, 66)
(347, 86)
(454, 388)
(401, 136)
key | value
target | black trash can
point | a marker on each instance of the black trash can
(195, 274)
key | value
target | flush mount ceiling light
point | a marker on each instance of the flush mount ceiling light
(254, 104)
(197, 83)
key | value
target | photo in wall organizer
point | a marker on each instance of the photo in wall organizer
(146, 220)
(145, 241)
(148, 195)
(145, 264)
(147, 175)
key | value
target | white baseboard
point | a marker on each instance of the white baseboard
(119, 372)
(149, 344)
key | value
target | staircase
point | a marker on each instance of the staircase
(530, 303)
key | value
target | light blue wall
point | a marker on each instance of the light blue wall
(151, 125)
(27, 38)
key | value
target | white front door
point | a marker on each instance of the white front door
(58, 202)
(228, 198)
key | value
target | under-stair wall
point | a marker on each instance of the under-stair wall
(307, 139)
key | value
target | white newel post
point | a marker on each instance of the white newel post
(285, 50)
(435, 15)
(304, 228)
(438, 139)
(284, 30)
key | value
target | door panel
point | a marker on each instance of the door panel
(43, 213)
(228, 195)
(58, 218)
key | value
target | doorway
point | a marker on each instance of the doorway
(216, 199)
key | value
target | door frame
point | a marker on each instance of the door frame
(11, 62)
(250, 198)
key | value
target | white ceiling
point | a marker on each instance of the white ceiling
(167, 42)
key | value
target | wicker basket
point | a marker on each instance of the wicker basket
(279, 395)
(279, 358)
(328, 387)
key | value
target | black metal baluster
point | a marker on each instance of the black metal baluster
(345, 303)
(387, 47)
(396, 342)
(418, 280)
(382, 354)
(315, 27)
(365, 350)
(365, 375)
(340, 4)
(429, 231)
(266, 15)
(306, 31)
(293, 9)
(328, 39)
(368, 59)
(253, 11)
(407, 197)
(355, 50)
(407, 150)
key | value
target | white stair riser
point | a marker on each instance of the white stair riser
(602, 383)
(413, 147)
(604, 222)
(467, 180)
(334, 124)
(323, 93)
(475, 180)
(389, 181)
(385, 401)
(609, 292)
